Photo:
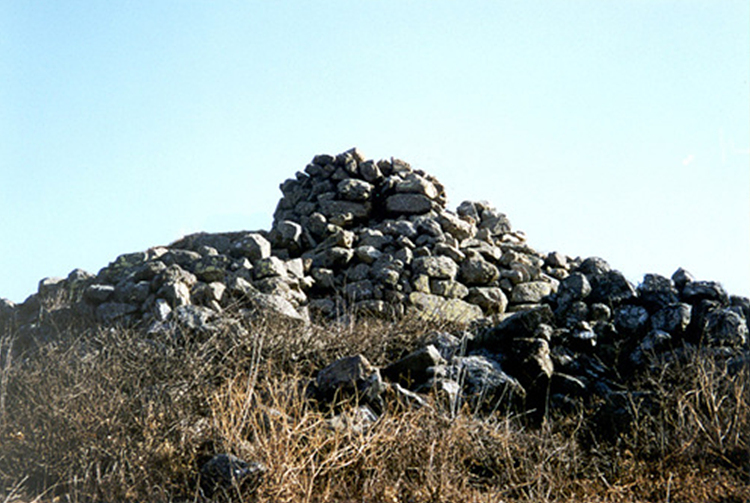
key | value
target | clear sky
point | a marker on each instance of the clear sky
(612, 128)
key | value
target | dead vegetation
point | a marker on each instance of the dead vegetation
(113, 415)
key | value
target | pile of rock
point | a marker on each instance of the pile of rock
(349, 234)
(581, 346)
(354, 235)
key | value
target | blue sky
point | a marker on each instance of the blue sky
(612, 128)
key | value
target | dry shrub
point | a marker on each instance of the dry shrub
(116, 415)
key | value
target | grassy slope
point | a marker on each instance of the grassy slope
(108, 415)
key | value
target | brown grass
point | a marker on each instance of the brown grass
(110, 415)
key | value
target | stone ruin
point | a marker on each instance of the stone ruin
(353, 236)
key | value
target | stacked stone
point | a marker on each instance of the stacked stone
(377, 237)
(585, 345)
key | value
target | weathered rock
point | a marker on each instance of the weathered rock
(435, 308)
(253, 246)
(453, 225)
(725, 327)
(448, 288)
(656, 292)
(631, 319)
(435, 267)
(594, 266)
(350, 376)
(225, 474)
(275, 306)
(532, 361)
(522, 324)
(352, 189)
(269, 266)
(492, 300)
(357, 420)
(673, 319)
(697, 291)
(575, 287)
(476, 271)
(413, 369)
(96, 294)
(681, 278)
(111, 312)
(531, 292)
(611, 288)
(194, 318)
(482, 380)
(655, 342)
(408, 204)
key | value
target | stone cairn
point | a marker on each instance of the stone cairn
(352, 235)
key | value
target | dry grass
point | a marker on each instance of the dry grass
(110, 415)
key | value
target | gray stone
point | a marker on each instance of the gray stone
(611, 288)
(360, 290)
(49, 288)
(448, 288)
(287, 234)
(399, 228)
(110, 312)
(593, 266)
(697, 291)
(345, 213)
(681, 278)
(336, 257)
(522, 324)
(352, 375)
(357, 420)
(673, 319)
(195, 318)
(413, 369)
(367, 254)
(132, 293)
(435, 267)
(533, 361)
(240, 287)
(270, 266)
(226, 475)
(408, 204)
(435, 308)
(656, 292)
(655, 342)
(724, 327)
(484, 381)
(370, 171)
(161, 310)
(275, 306)
(374, 238)
(324, 278)
(575, 287)
(631, 319)
(96, 294)
(415, 184)
(531, 292)
(476, 271)
(212, 268)
(176, 293)
(449, 251)
(447, 344)
(492, 300)
(253, 246)
(556, 260)
(352, 189)
(453, 225)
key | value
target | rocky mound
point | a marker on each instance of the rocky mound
(352, 235)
